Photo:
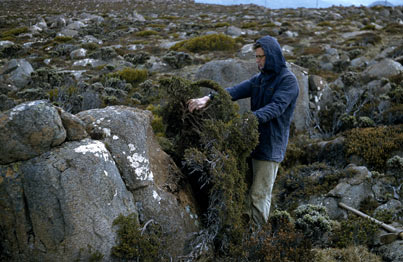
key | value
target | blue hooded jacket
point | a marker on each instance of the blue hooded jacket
(273, 94)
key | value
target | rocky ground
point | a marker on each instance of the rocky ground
(347, 139)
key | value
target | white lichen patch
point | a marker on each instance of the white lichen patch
(141, 166)
(107, 131)
(96, 148)
(115, 137)
(156, 196)
(131, 147)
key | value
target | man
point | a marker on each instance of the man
(273, 94)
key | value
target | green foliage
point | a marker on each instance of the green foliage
(394, 28)
(368, 205)
(371, 38)
(14, 32)
(65, 97)
(325, 23)
(270, 24)
(350, 254)
(130, 75)
(303, 181)
(368, 27)
(136, 242)
(375, 144)
(63, 39)
(249, 25)
(212, 145)
(90, 46)
(386, 215)
(96, 256)
(214, 42)
(354, 232)
(221, 24)
(396, 94)
(170, 17)
(146, 33)
(157, 25)
(277, 241)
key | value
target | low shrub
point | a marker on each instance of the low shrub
(146, 33)
(136, 241)
(130, 75)
(354, 232)
(277, 241)
(214, 42)
(314, 221)
(350, 254)
(303, 181)
(14, 32)
(221, 24)
(63, 39)
(375, 144)
(249, 25)
(394, 28)
(211, 146)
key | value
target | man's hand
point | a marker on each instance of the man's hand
(197, 103)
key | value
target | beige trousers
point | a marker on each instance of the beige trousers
(264, 175)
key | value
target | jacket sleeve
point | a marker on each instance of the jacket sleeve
(242, 90)
(285, 93)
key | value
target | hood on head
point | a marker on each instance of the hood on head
(274, 57)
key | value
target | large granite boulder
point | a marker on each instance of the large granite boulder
(19, 72)
(58, 201)
(60, 206)
(385, 68)
(29, 130)
(149, 173)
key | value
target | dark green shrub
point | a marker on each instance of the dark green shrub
(215, 42)
(303, 181)
(211, 146)
(354, 231)
(137, 241)
(277, 241)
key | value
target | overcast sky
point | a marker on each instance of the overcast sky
(298, 3)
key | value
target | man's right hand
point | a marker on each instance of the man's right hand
(198, 103)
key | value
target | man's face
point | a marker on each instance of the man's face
(260, 58)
